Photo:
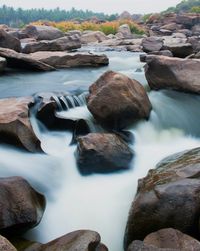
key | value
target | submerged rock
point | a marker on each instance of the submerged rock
(21, 207)
(15, 125)
(116, 101)
(60, 44)
(173, 73)
(168, 197)
(2, 64)
(8, 41)
(60, 59)
(23, 61)
(42, 32)
(102, 153)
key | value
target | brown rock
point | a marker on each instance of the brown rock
(188, 20)
(15, 126)
(102, 153)
(60, 59)
(42, 32)
(24, 61)
(124, 32)
(116, 101)
(8, 41)
(141, 246)
(173, 73)
(150, 44)
(5, 245)
(60, 44)
(180, 50)
(21, 207)
(168, 197)
(93, 37)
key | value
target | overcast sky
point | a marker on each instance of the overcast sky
(107, 6)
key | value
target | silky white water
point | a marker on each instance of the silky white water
(101, 202)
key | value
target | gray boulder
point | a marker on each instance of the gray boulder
(9, 41)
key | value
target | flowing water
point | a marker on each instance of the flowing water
(96, 202)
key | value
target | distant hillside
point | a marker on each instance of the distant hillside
(19, 17)
(185, 6)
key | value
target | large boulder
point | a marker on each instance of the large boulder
(124, 32)
(168, 197)
(2, 64)
(60, 44)
(23, 61)
(21, 207)
(180, 50)
(173, 73)
(102, 153)
(42, 32)
(9, 41)
(168, 239)
(93, 37)
(188, 20)
(60, 59)
(5, 245)
(80, 240)
(150, 44)
(195, 42)
(116, 101)
(15, 125)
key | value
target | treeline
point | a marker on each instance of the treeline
(19, 17)
(186, 6)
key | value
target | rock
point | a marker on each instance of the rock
(171, 26)
(141, 246)
(21, 207)
(23, 61)
(150, 44)
(165, 32)
(179, 35)
(173, 73)
(180, 50)
(93, 37)
(196, 30)
(124, 32)
(2, 64)
(81, 240)
(166, 196)
(5, 245)
(125, 15)
(134, 48)
(195, 42)
(102, 153)
(73, 32)
(166, 53)
(60, 44)
(42, 32)
(188, 19)
(172, 239)
(8, 41)
(186, 32)
(15, 125)
(66, 60)
(117, 101)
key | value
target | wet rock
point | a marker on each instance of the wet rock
(23, 61)
(5, 245)
(81, 240)
(15, 125)
(124, 32)
(60, 59)
(60, 44)
(9, 41)
(102, 153)
(42, 32)
(2, 64)
(150, 44)
(180, 50)
(173, 73)
(117, 101)
(21, 207)
(166, 196)
(93, 37)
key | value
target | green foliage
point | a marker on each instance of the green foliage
(17, 17)
(185, 6)
(195, 9)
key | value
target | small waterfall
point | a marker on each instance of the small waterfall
(66, 102)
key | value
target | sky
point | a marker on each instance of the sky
(106, 6)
